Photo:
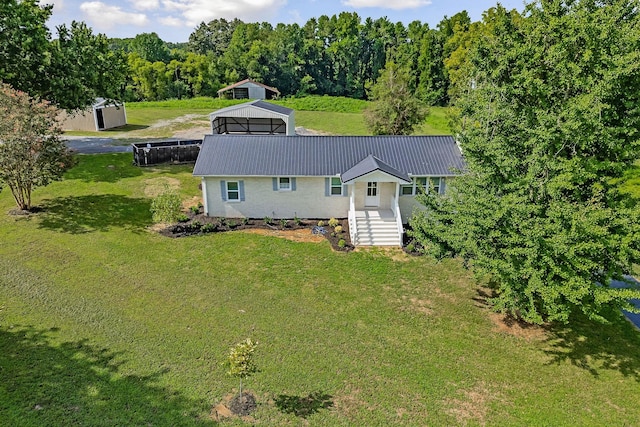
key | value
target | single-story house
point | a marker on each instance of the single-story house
(254, 117)
(249, 89)
(372, 180)
(99, 116)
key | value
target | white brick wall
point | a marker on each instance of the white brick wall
(308, 201)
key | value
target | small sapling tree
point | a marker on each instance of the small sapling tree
(240, 362)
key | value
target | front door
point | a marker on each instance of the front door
(372, 198)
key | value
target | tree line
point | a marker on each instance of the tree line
(339, 55)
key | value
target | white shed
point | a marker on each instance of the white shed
(249, 89)
(254, 118)
(100, 116)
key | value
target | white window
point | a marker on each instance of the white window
(336, 187)
(233, 191)
(419, 184)
(435, 184)
(284, 184)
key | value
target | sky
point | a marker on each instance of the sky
(174, 20)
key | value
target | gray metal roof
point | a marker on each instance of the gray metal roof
(247, 109)
(372, 164)
(272, 107)
(233, 155)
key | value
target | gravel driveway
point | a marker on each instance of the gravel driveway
(95, 145)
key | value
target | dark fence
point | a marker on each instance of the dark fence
(153, 153)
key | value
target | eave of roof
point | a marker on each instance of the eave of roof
(369, 165)
(240, 83)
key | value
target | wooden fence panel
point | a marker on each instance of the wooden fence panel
(154, 153)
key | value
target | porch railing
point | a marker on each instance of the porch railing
(353, 230)
(395, 208)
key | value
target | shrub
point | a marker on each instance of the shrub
(245, 221)
(208, 228)
(182, 218)
(232, 224)
(320, 223)
(222, 221)
(268, 220)
(296, 220)
(284, 223)
(342, 243)
(166, 206)
(333, 222)
(195, 209)
(338, 229)
(411, 247)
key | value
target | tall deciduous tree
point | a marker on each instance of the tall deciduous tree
(31, 152)
(83, 68)
(549, 122)
(24, 44)
(394, 108)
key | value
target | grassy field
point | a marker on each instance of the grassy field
(333, 115)
(104, 322)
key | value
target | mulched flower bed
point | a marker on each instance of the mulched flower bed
(197, 223)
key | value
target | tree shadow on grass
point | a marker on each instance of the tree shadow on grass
(75, 383)
(84, 214)
(304, 406)
(104, 168)
(596, 347)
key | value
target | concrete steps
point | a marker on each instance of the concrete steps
(376, 230)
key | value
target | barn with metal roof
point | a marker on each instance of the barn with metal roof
(253, 118)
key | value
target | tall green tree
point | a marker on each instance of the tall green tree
(150, 47)
(213, 37)
(82, 68)
(31, 152)
(394, 109)
(549, 123)
(24, 44)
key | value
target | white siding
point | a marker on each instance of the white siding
(407, 205)
(308, 201)
(257, 92)
(385, 189)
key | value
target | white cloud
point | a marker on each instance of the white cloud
(387, 4)
(196, 11)
(145, 4)
(104, 16)
(171, 21)
(58, 5)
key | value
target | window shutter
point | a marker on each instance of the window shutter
(443, 185)
(275, 183)
(327, 187)
(223, 190)
(345, 190)
(241, 186)
(293, 184)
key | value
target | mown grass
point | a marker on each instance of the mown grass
(332, 104)
(103, 322)
(326, 114)
(332, 123)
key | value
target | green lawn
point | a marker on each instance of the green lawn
(103, 322)
(326, 114)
